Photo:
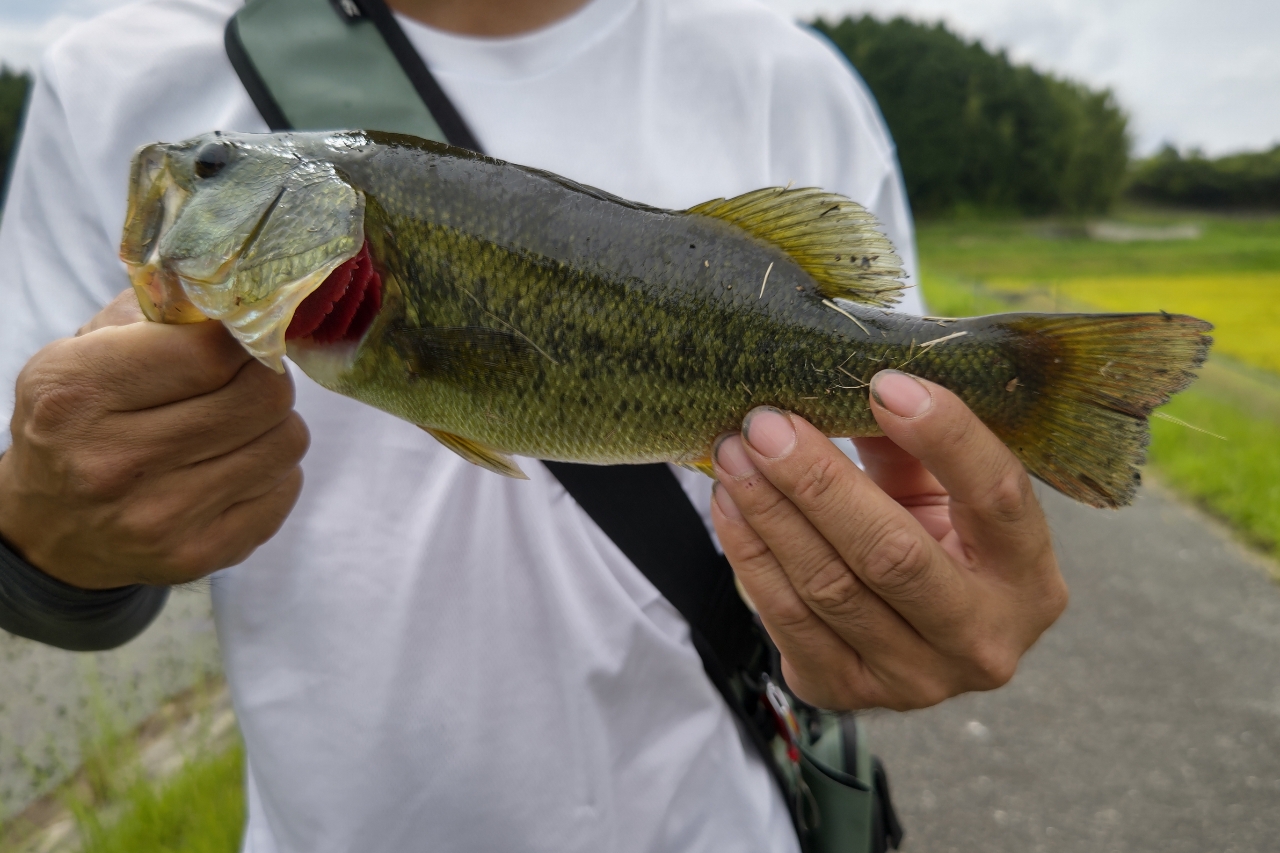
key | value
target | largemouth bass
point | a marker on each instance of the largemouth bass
(509, 311)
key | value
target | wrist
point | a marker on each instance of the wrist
(18, 529)
(10, 524)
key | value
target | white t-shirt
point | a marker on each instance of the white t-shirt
(429, 656)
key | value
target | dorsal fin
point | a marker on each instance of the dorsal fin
(834, 239)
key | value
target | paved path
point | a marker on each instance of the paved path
(53, 701)
(1146, 721)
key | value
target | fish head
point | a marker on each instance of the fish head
(239, 228)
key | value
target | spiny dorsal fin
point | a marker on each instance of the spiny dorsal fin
(833, 239)
(479, 454)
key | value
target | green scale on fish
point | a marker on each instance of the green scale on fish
(509, 311)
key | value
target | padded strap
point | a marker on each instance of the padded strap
(310, 65)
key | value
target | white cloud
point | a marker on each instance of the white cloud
(1192, 72)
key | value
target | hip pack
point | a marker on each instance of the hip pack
(346, 64)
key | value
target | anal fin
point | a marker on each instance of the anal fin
(702, 466)
(478, 454)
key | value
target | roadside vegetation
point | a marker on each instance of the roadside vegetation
(175, 784)
(199, 810)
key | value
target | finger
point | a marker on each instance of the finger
(896, 558)
(902, 477)
(143, 365)
(870, 662)
(898, 474)
(249, 471)
(254, 402)
(235, 534)
(992, 505)
(248, 524)
(814, 563)
(121, 311)
(823, 657)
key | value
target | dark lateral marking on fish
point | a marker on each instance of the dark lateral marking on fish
(464, 353)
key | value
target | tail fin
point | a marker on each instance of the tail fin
(1102, 375)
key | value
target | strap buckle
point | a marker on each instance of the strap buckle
(784, 718)
(348, 10)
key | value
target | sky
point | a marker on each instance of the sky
(1196, 73)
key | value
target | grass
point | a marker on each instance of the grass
(198, 810)
(1237, 479)
(1230, 276)
(174, 784)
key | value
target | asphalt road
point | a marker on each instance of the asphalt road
(1147, 719)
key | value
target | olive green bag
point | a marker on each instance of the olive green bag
(346, 64)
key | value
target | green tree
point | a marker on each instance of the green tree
(1248, 180)
(975, 132)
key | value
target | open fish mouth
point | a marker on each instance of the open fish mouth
(247, 241)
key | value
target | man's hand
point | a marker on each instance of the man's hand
(145, 453)
(927, 576)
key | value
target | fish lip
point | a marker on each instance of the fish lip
(155, 201)
(157, 198)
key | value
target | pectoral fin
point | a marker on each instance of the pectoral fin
(478, 454)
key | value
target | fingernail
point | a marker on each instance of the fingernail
(901, 393)
(732, 457)
(770, 432)
(721, 496)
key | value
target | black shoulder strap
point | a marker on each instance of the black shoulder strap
(342, 64)
(316, 64)
(647, 514)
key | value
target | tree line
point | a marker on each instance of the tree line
(1248, 180)
(977, 133)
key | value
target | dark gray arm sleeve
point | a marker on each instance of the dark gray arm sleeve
(42, 608)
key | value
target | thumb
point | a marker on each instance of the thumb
(121, 311)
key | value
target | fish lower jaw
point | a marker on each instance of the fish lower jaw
(327, 364)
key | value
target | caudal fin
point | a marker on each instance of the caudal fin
(1100, 378)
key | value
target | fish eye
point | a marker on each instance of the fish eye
(211, 158)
